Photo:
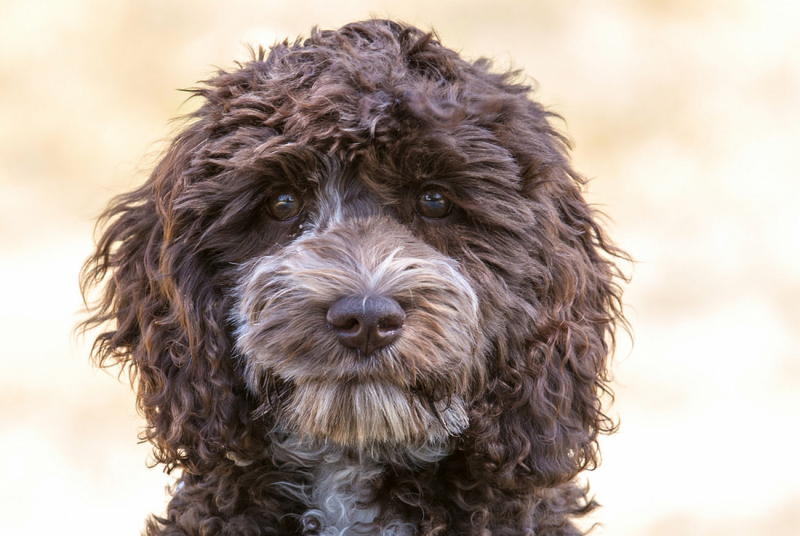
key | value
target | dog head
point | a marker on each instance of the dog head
(363, 238)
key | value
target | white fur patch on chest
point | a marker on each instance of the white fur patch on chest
(339, 493)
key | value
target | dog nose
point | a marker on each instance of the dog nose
(366, 323)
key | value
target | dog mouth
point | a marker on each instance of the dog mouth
(396, 394)
(362, 414)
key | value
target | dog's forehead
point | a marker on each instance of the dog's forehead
(360, 99)
(460, 156)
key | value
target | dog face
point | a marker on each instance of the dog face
(374, 334)
(363, 239)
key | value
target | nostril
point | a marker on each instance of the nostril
(390, 322)
(342, 316)
(344, 324)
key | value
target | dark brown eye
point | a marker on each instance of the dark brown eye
(284, 205)
(433, 204)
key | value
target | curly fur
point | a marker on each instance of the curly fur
(478, 419)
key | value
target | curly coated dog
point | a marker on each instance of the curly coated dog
(362, 293)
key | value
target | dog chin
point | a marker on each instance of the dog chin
(362, 415)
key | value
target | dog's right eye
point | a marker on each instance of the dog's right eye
(433, 204)
(284, 205)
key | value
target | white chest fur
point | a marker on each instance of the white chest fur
(341, 495)
(341, 485)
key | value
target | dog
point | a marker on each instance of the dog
(361, 293)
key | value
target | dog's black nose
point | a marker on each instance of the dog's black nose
(366, 323)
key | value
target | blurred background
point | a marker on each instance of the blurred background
(685, 116)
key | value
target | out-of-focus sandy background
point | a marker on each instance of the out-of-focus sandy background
(686, 115)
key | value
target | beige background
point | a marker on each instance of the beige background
(685, 114)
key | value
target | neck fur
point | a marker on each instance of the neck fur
(339, 484)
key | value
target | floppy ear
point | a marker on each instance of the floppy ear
(166, 317)
(540, 419)
(565, 367)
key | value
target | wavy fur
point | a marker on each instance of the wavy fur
(357, 122)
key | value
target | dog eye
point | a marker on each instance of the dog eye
(433, 204)
(284, 205)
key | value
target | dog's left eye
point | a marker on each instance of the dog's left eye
(433, 204)
(284, 205)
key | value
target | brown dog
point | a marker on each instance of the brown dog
(362, 294)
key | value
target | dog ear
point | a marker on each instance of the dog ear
(541, 416)
(566, 366)
(166, 317)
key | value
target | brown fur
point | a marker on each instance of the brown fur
(478, 419)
